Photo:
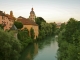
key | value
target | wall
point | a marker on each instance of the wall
(0, 19)
(7, 21)
(36, 31)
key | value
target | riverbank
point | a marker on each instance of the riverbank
(43, 50)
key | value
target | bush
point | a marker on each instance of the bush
(25, 39)
(9, 46)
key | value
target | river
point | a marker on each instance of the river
(44, 50)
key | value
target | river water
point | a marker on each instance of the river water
(46, 49)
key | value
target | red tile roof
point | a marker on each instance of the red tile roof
(9, 16)
(26, 21)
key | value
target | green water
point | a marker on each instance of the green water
(43, 50)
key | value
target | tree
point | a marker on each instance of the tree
(69, 41)
(23, 36)
(32, 34)
(10, 47)
(53, 28)
(1, 26)
(39, 20)
(19, 25)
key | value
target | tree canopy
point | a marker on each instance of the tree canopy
(69, 41)
(39, 20)
(18, 24)
(32, 34)
(10, 47)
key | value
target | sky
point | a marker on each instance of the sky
(50, 10)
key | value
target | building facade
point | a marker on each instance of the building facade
(5, 21)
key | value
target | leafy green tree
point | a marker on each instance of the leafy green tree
(23, 36)
(62, 26)
(9, 46)
(53, 28)
(45, 29)
(32, 34)
(69, 41)
(1, 26)
(39, 20)
(23, 33)
(19, 25)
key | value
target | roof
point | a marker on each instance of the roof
(13, 27)
(9, 16)
(32, 12)
(26, 21)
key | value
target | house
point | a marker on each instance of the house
(6, 20)
(29, 23)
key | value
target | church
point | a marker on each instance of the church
(29, 22)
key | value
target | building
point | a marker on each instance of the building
(32, 15)
(5, 20)
(29, 23)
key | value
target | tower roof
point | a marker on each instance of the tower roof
(32, 12)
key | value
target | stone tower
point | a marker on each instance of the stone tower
(32, 15)
(11, 13)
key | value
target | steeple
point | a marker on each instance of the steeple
(32, 15)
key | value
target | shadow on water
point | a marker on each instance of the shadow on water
(35, 51)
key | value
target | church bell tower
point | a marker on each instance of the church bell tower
(32, 15)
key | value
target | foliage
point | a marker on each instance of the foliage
(19, 25)
(69, 41)
(39, 20)
(62, 26)
(47, 29)
(1, 26)
(53, 28)
(32, 34)
(23, 36)
(9, 46)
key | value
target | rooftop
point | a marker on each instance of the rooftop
(26, 21)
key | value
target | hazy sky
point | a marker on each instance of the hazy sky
(50, 10)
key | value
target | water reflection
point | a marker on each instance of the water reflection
(43, 50)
